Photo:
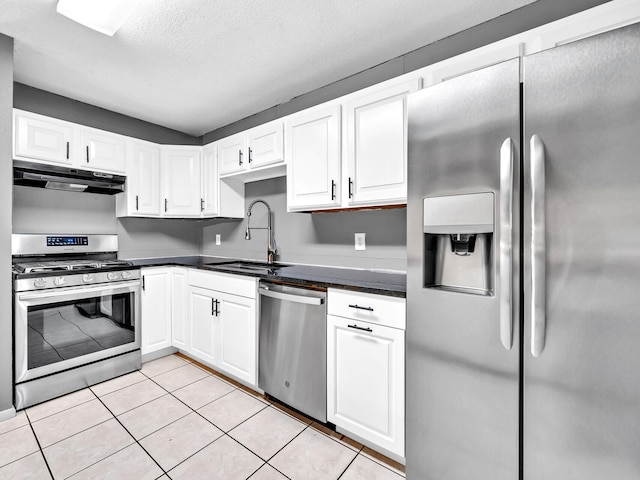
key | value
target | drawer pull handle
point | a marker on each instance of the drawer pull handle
(366, 329)
(368, 309)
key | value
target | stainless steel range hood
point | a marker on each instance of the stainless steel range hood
(64, 178)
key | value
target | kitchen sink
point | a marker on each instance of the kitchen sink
(251, 267)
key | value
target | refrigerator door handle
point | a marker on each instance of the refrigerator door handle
(538, 253)
(506, 243)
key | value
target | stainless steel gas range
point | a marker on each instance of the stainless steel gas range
(76, 314)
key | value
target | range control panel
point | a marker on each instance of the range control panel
(67, 241)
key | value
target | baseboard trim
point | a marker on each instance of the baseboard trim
(7, 414)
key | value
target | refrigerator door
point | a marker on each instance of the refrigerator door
(581, 348)
(463, 347)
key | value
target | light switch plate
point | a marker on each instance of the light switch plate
(218, 242)
(360, 242)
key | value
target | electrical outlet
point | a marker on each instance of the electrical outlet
(360, 243)
(218, 242)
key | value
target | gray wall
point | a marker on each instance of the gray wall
(157, 237)
(56, 106)
(39, 210)
(6, 180)
(530, 16)
(318, 239)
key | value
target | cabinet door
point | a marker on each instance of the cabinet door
(231, 154)
(143, 180)
(377, 146)
(181, 182)
(179, 310)
(365, 381)
(312, 150)
(237, 345)
(156, 310)
(43, 139)
(102, 151)
(264, 145)
(202, 322)
(209, 200)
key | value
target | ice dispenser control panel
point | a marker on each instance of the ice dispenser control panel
(458, 243)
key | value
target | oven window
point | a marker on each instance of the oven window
(61, 331)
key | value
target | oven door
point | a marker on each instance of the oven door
(64, 328)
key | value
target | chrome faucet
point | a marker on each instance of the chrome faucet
(271, 241)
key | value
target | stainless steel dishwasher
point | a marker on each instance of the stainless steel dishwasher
(293, 347)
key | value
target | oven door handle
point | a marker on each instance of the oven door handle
(71, 293)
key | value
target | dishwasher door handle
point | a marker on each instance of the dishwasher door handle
(291, 297)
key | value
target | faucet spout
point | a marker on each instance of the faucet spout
(271, 241)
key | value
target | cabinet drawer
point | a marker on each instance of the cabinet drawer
(221, 282)
(367, 307)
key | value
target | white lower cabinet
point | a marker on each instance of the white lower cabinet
(179, 330)
(222, 323)
(237, 336)
(365, 376)
(202, 318)
(155, 325)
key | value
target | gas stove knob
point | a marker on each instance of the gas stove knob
(87, 277)
(112, 275)
(126, 275)
(58, 281)
(39, 283)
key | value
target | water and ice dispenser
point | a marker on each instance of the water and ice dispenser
(458, 243)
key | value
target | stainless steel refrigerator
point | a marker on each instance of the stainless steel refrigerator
(523, 291)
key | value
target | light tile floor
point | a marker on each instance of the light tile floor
(176, 420)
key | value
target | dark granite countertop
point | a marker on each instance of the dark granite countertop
(361, 280)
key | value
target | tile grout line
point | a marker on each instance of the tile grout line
(134, 441)
(235, 388)
(63, 410)
(197, 413)
(40, 447)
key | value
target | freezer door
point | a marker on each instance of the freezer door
(581, 349)
(463, 348)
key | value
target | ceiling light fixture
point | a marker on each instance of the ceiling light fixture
(104, 16)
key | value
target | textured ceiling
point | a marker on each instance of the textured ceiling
(197, 65)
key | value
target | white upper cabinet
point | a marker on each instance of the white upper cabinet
(181, 181)
(143, 179)
(41, 138)
(231, 154)
(312, 150)
(377, 145)
(252, 149)
(209, 187)
(102, 151)
(49, 140)
(265, 145)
